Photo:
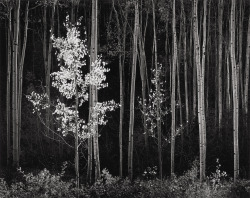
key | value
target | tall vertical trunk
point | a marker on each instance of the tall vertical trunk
(45, 60)
(76, 134)
(246, 88)
(185, 65)
(49, 63)
(239, 52)
(200, 65)
(20, 72)
(8, 117)
(143, 73)
(246, 83)
(220, 21)
(119, 37)
(235, 91)
(173, 103)
(94, 96)
(15, 85)
(132, 93)
(158, 110)
(90, 158)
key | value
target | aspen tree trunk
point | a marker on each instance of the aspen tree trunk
(246, 88)
(76, 135)
(49, 63)
(90, 157)
(246, 83)
(8, 117)
(94, 96)
(132, 93)
(239, 49)
(203, 114)
(45, 58)
(200, 86)
(185, 65)
(15, 85)
(228, 99)
(220, 21)
(235, 91)
(173, 102)
(157, 93)
(143, 73)
(119, 38)
(208, 57)
(194, 88)
(143, 65)
(20, 72)
(123, 57)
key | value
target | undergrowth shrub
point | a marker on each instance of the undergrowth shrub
(45, 184)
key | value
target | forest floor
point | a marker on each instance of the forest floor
(47, 184)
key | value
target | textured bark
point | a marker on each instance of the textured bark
(200, 86)
(173, 102)
(15, 85)
(246, 88)
(246, 83)
(121, 71)
(94, 96)
(45, 57)
(235, 91)
(8, 99)
(132, 93)
(220, 21)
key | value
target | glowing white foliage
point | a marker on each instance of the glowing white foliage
(156, 96)
(71, 83)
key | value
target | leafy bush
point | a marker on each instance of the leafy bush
(45, 184)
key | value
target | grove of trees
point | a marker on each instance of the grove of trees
(179, 70)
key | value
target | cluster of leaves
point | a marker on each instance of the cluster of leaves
(150, 173)
(72, 84)
(156, 98)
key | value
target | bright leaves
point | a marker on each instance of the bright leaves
(156, 96)
(71, 83)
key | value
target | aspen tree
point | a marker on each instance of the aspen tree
(119, 38)
(200, 65)
(247, 85)
(143, 74)
(94, 96)
(8, 86)
(220, 22)
(173, 102)
(235, 91)
(158, 114)
(15, 84)
(132, 92)
(185, 64)
(45, 59)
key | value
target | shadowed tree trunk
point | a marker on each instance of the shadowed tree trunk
(15, 84)
(132, 93)
(173, 83)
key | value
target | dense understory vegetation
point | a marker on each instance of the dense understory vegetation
(48, 184)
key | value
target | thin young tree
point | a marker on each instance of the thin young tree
(235, 90)
(158, 114)
(220, 49)
(15, 84)
(200, 69)
(173, 91)
(8, 86)
(72, 85)
(132, 92)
